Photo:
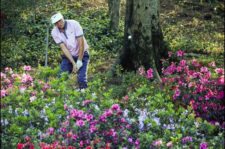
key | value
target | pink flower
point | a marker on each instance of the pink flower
(27, 68)
(180, 53)
(81, 143)
(130, 140)
(126, 98)
(204, 69)
(187, 139)
(137, 142)
(170, 54)
(176, 93)
(220, 95)
(169, 144)
(220, 80)
(80, 123)
(182, 62)
(141, 71)
(150, 73)
(22, 89)
(65, 106)
(212, 64)
(26, 78)
(3, 93)
(157, 143)
(9, 70)
(3, 76)
(219, 71)
(195, 63)
(179, 68)
(50, 131)
(86, 102)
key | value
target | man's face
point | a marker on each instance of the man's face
(60, 24)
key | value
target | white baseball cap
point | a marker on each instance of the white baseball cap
(56, 17)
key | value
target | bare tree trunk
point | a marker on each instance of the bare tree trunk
(114, 14)
(143, 38)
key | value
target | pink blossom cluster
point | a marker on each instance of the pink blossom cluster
(24, 81)
(82, 129)
(148, 74)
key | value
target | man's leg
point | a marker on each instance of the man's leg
(82, 72)
(66, 66)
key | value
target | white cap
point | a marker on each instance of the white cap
(56, 17)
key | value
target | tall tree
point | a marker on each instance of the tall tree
(143, 38)
(114, 13)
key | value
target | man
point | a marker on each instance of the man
(68, 34)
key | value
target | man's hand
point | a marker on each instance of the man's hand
(74, 68)
(79, 64)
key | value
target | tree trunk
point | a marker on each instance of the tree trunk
(114, 13)
(143, 38)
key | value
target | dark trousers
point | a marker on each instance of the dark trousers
(66, 66)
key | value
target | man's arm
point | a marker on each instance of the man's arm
(69, 56)
(80, 41)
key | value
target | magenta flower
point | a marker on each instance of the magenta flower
(80, 123)
(182, 63)
(203, 145)
(180, 53)
(115, 107)
(150, 73)
(88, 117)
(130, 140)
(92, 128)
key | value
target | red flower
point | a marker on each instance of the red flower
(88, 147)
(20, 146)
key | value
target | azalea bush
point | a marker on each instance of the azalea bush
(197, 85)
(53, 114)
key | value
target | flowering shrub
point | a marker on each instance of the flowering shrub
(84, 129)
(194, 84)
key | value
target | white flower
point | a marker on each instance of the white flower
(129, 37)
(33, 98)
(94, 95)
